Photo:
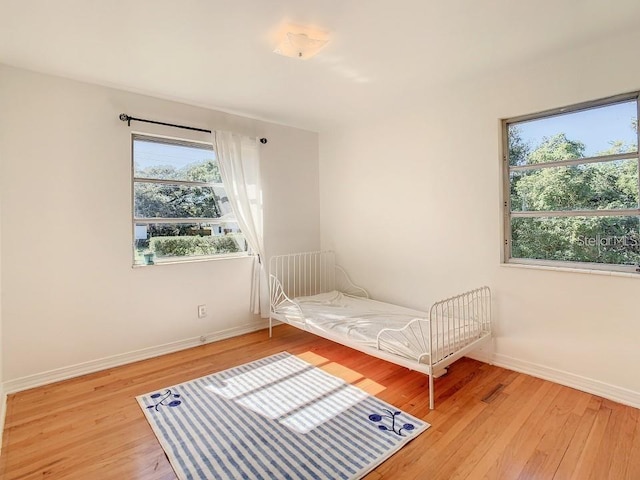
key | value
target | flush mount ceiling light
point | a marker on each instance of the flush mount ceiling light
(300, 42)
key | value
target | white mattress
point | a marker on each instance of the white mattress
(361, 320)
(356, 318)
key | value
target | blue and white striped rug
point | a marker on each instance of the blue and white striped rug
(275, 418)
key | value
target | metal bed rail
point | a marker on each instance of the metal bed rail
(457, 321)
(304, 274)
(454, 326)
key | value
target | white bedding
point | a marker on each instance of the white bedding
(361, 320)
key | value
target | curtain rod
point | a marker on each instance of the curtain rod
(128, 118)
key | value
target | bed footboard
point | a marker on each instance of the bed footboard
(459, 321)
(452, 324)
(455, 326)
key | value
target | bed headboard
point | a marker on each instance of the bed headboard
(310, 273)
(303, 274)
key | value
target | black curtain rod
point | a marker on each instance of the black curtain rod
(128, 118)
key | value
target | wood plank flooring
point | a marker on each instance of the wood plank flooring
(489, 423)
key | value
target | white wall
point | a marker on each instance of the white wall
(431, 171)
(70, 294)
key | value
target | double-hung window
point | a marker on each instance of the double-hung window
(180, 207)
(571, 186)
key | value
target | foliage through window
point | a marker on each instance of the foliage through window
(180, 208)
(572, 186)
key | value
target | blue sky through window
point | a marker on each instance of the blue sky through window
(152, 154)
(597, 128)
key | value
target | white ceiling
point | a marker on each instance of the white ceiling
(218, 53)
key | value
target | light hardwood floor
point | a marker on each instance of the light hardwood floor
(488, 423)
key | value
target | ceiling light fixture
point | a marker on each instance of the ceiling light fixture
(300, 42)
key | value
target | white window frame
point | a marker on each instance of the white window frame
(148, 221)
(508, 214)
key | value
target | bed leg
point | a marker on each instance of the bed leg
(492, 350)
(270, 326)
(431, 399)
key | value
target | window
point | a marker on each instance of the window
(180, 208)
(571, 186)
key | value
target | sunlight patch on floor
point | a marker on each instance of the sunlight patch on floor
(313, 358)
(297, 395)
(340, 371)
(369, 386)
(347, 374)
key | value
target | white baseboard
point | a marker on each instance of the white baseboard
(596, 387)
(64, 373)
(589, 385)
(481, 355)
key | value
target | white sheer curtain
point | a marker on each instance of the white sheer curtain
(239, 160)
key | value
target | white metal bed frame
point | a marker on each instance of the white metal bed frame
(467, 315)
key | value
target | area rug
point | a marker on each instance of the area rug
(276, 418)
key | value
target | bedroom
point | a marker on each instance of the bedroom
(395, 123)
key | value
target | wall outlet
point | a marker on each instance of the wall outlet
(202, 311)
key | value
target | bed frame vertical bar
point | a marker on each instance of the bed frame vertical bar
(323, 271)
(450, 326)
(467, 318)
(432, 401)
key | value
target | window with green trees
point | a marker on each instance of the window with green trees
(180, 207)
(571, 186)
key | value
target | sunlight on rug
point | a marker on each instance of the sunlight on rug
(292, 393)
(276, 418)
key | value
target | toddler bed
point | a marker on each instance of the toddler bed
(309, 291)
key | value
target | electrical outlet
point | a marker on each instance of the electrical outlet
(202, 311)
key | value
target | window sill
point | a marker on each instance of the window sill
(194, 260)
(606, 273)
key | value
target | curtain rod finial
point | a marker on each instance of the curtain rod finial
(124, 117)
